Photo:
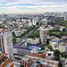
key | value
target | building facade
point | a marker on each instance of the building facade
(43, 35)
(6, 44)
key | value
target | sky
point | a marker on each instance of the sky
(32, 6)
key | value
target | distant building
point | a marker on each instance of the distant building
(44, 22)
(65, 17)
(34, 21)
(43, 35)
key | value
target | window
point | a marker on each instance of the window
(49, 54)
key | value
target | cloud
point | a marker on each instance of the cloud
(32, 6)
(32, 9)
(31, 1)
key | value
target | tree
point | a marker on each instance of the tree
(64, 54)
(64, 30)
(55, 32)
(21, 65)
(57, 55)
(50, 47)
(34, 34)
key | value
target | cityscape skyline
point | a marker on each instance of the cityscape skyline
(32, 6)
(33, 33)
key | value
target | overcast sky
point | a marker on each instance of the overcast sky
(32, 6)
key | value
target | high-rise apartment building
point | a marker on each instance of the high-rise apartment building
(6, 44)
(43, 35)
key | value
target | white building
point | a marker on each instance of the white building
(44, 22)
(62, 27)
(43, 35)
(49, 54)
(19, 32)
(50, 27)
(6, 44)
(30, 24)
(34, 21)
(33, 41)
(62, 48)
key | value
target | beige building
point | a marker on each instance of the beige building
(33, 41)
(43, 35)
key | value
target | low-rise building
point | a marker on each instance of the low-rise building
(33, 40)
(29, 60)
